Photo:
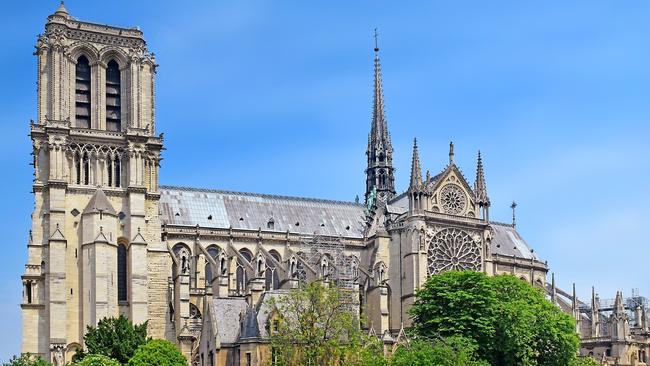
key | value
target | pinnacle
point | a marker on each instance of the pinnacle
(416, 171)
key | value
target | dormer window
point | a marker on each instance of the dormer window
(113, 102)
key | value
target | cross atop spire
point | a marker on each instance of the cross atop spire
(379, 173)
(376, 42)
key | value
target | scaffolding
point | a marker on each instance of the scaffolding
(341, 270)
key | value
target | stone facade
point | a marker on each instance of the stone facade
(199, 264)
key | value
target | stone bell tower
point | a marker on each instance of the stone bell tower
(95, 227)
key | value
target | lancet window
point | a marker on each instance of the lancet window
(82, 93)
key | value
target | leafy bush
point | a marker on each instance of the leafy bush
(158, 352)
(454, 351)
(585, 361)
(96, 360)
(27, 359)
(116, 338)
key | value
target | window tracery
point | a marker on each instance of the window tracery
(453, 249)
(453, 199)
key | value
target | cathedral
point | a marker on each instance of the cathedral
(199, 264)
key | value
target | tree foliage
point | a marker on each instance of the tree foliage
(116, 338)
(585, 361)
(315, 325)
(96, 360)
(158, 352)
(27, 359)
(453, 351)
(510, 321)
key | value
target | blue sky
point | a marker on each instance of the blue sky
(276, 97)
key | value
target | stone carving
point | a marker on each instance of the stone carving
(453, 249)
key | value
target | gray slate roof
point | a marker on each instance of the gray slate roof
(99, 203)
(508, 242)
(228, 314)
(222, 209)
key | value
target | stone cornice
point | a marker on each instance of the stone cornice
(191, 232)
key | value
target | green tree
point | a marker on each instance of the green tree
(116, 338)
(96, 360)
(316, 325)
(585, 361)
(453, 351)
(27, 359)
(510, 321)
(158, 352)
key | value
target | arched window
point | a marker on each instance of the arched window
(213, 250)
(241, 272)
(77, 163)
(82, 93)
(121, 273)
(109, 171)
(85, 165)
(272, 280)
(117, 176)
(113, 103)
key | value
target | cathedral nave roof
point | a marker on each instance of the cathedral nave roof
(223, 209)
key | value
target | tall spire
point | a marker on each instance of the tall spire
(380, 169)
(416, 171)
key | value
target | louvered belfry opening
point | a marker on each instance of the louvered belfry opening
(113, 103)
(121, 273)
(82, 93)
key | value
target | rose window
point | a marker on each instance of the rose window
(453, 250)
(453, 199)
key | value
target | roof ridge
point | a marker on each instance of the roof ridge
(264, 195)
(500, 223)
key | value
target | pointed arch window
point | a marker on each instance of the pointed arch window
(213, 250)
(118, 170)
(82, 92)
(77, 166)
(241, 272)
(272, 279)
(85, 167)
(113, 97)
(121, 273)
(109, 171)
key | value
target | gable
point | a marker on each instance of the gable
(452, 194)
